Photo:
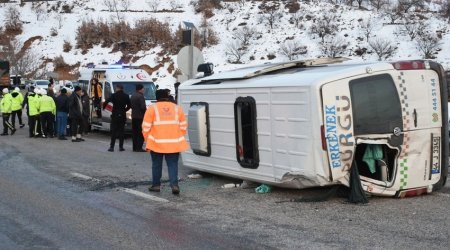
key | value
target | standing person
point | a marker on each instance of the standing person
(96, 95)
(163, 128)
(85, 112)
(32, 110)
(121, 104)
(47, 112)
(37, 126)
(138, 109)
(62, 111)
(6, 105)
(76, 115)
(50, 91)
(17, 101)
(176, 86)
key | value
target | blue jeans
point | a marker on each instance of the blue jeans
(61, 123)
(172, 165)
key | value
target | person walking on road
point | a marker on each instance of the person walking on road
(17, 101)
(62, 111)
(6, 106)
(138, 109)
(121, 104)
(76, 114)
(163, 128)
(47, 112)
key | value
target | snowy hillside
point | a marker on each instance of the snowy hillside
(243, 27)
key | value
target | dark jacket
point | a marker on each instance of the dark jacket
(75, 109)
(85, 102)
(121, 104)
(62, 103)
(138, 106)
(25, 101)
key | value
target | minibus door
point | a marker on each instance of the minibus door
(421, 104)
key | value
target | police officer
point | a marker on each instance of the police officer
(17, 100)
(163, 128)
(138, 109)
(47, 112)
(6, 105)
(121, 104)
(32, 111)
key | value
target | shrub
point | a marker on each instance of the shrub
(67, 46)
(53, 31)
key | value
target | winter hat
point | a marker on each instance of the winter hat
(16, 89)
(5, 91)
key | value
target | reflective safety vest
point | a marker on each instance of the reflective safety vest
(17, 100)
(164, 127)
(6, 104)
(33, 104)
(46, 104)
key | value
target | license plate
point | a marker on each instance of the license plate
(435, 154)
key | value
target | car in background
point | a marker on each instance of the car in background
(43, 84)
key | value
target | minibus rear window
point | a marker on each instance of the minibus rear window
(376, 105)
(246, 132)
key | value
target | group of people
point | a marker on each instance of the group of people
(161, 126)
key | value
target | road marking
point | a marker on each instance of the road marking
(126, 190)
(444, 194)
(85, 177)
(144, 195)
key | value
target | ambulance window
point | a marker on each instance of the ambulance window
(376, 105)
(246, 136)
(107, 90)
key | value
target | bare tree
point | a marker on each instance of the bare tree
(112, 6)
(367, 27)
(271, 14)
(153, 4)
(297, 17)
(292, 49)
(235, 51)
(378, 4)
(12, 19)
(60, 19)
(383, 48)
(125, 4)
(324, 27)
(413, 28)
(406, 5)
(40, 12)
(360, 2)
(244, 34)
(174, 5)
(393, 13)
(334, 47)
(428, 44)
(445, 9)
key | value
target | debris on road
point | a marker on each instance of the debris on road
(195, 176)
(263, 188)
(231, 185)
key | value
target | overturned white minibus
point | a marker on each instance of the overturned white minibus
(306, 123)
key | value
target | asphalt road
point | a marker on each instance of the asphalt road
(63, 195)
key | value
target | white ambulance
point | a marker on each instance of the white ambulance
(110, 76)
(306, 123)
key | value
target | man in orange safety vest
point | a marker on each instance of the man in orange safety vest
(163, 128)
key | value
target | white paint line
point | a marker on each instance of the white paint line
(443, 194)
(85, 177)
(144, 195)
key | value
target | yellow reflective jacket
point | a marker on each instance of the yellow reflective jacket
(17, 100)
(46, 104)
(33, 102)
(6, 104)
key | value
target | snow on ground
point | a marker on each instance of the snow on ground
(265, 42)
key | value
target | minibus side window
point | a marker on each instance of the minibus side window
(376, 105)
(246, 132)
